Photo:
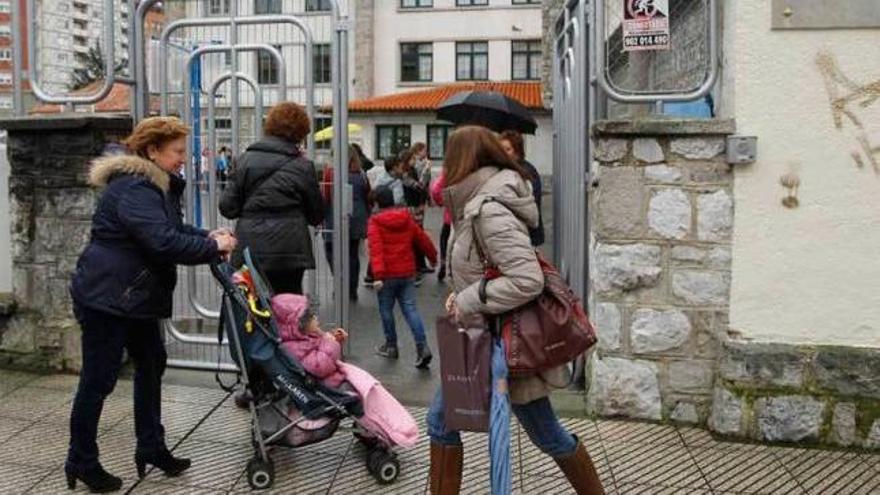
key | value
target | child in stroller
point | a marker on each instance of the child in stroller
(301, 390)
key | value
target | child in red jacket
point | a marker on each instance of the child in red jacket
(392, 236)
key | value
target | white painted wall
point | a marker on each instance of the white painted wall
(811, 274)
(539, 148)
(444, 24)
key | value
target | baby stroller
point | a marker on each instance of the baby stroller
(279, 385)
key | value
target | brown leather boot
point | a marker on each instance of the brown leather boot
(446, 464)
(579, 469)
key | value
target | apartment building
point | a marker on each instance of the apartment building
(415, 53)
(5, 58)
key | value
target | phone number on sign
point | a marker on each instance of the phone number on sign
(650, 40)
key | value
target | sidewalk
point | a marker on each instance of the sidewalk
(202, 423)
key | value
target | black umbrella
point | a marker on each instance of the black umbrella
(488, 109)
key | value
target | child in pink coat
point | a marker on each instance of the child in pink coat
(320, 354)
(302, 337)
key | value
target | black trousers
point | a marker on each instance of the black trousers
(104, 336)
(354, 263)
(286, 281)
(445, 232)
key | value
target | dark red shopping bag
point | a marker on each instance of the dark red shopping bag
(465, 362)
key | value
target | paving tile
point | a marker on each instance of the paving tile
(117, 457)
(531, 485)
(215, 466)
(668, 465)
(148, 488)
(298, 472)
(10, 427)
(226, 425)
(32, 403)
(614, 432)
(744, 468)
(39, 445)
(640, 489)
(62, 382)
(698, 437)
(193, 395)
(586, 430)
(12, 380)
(838, 472)
(354, 478)
(15, 478)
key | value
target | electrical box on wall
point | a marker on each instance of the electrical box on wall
(742, 149)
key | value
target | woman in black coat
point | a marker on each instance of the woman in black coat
(274, 194)
(123, 286)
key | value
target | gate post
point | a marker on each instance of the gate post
(51, 208)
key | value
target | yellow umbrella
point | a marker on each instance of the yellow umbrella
(326, 133)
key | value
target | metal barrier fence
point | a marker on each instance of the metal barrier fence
(204, 47)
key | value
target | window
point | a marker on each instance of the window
(470, 3)
(227, 58)
(267, 68)
(5, 7)
(5, 54)
(391, 140)
(472, 61)
(317, 5)
(5, 103)
(526, 60)
(411, 4)
(6, 78)
(416, 61)
(437, 137)
(217, 7)
(526, 2)
(320, 124)
(222, 123)
(267, 7)
(6, 30)
(321, 63)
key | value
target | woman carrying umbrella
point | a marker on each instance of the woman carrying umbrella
(488, 194)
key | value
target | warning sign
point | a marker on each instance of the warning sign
(645, 25)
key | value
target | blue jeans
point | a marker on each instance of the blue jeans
(536, 417)
(402, 290)
(104, 336)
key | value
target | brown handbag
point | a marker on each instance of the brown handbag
(547, 332)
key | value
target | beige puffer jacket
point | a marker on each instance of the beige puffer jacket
(502, 205)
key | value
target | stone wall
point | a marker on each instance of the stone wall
(50, 210)
(550, 10)
(777, 392)
(364, 40)
(662, 214)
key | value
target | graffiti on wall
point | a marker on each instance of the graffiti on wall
(850, 102)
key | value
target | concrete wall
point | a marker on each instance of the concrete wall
(5, 254)
(444, 24)
(807, 274)
(539, 148)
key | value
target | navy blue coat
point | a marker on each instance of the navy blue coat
(137, 239)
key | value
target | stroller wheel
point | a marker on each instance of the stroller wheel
(384, 466)
(260, 474)
(368, 442)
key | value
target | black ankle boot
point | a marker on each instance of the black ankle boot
(96, 479)
(162, 459)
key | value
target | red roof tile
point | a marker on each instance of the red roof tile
(117, 101)
(527, 93)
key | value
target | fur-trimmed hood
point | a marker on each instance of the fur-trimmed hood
(104, 168)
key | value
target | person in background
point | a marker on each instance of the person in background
(360, 213)
(393, 236)
(273, 192)
(512, 142)
(492, 204)
(366, 163)
(437, 196)
(122, 289)
(416, 197)
(222, 164)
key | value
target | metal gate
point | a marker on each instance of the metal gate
(200, 34)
